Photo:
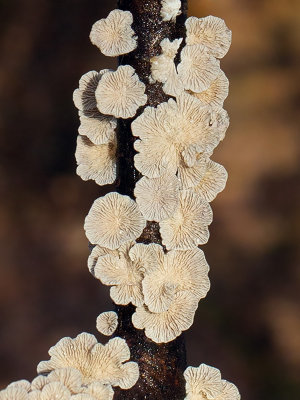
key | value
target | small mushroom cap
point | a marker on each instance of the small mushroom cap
(157, 198)
(107, 323)
(178, 271)
(216, 94)
(170, 10)
(191, 176)
(114, 35)
(213, 181)
(120, 93)
(84, 97)
(99, 130)
(189, 225)
(198, 68)
(14, 393)
(96, 362)
(203, 380)
(166, 326)
(210, 32)
(125, 271)
(96, 162)
(163, 68)
(71, 378)
(113, 220)
(167, 131)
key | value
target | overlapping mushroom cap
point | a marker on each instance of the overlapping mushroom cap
(114, 35)
(113, 220)
(188, 227)
(96, 362)
(204, 382)
(210, 32)
(97, 162)
(120, 93)
(175, 132)
(107, 322)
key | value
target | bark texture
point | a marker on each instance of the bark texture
(161, 366)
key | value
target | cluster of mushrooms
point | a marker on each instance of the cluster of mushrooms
(175, 141)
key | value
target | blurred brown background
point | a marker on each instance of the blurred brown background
(249, 324)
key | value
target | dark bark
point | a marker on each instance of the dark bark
(161, 366)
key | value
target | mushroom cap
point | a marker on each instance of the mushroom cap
(120, 93)
(170, 10)
(157, 198)
(203, 380)
(213, 181)
(210, 32)
(198, 68)
(114, 35)
(113, 220)
(188, 227)
(96, 162)
(99, 130)
(107, 323)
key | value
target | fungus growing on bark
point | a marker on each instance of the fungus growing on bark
(99, 130)
(157, 198)
(96, 362)
(167, 131)
(198, 68)
(177, 272)
(96, 162)
(188, 227)
(216, 94)
(114, 35)
(99, 391)
(23, 384)
(163, 68)
(113, 220)
(71, 378)
(204, 382)
(120, 93)
(210, 32)
(170, 10)
(39, 382)
(52, 390)
(14, 393)
(125, 272)
(107, 323)
(166, 326)
(213, 181)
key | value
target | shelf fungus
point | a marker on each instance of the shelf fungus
(197, 68)
(188, 227)
(52, 390)
(171, 131)
(210, 32)
(71, 378)
(125, 272)
(96, 162)
(176, 272)
(170, 10)
(114, 35)
(204, 382)
(39, 382)
(166, 326)
(98, 391)
(213, 181)
(105, 364)
(107, 323)
(14, 393)
(120, 93)
(163, 68)
(113, 220)
(157, 198)
(216, 94)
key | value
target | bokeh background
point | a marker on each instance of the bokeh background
(249, 324)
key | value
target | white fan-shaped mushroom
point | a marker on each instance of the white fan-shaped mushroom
(120, 93)
(157, 198)
(210, 32)
(114, 35)
(202, 381)
(213, 181)
(96, 362)
(107, 323)
(113, 220)
(170, 10)
(188, 227)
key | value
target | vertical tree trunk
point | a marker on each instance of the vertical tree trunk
(161, 366)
